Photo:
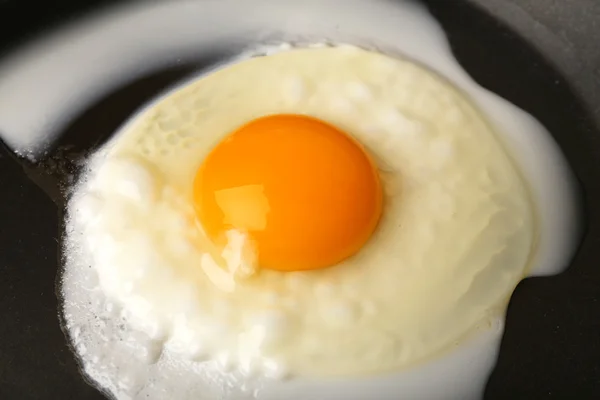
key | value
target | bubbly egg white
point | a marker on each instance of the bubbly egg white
(135, 363)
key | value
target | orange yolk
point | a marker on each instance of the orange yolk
(306, 193)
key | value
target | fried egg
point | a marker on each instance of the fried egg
(330, 214)
(242, 217)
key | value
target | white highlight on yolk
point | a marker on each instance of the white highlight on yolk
(245, 207)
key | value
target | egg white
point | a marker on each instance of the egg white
(456, 235)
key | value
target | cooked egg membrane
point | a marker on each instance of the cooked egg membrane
(456, 234)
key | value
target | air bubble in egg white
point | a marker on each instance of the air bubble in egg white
(184, 133)
(275, 369)
(249, 369)
(181, 247)
(359, 91)
(172, 139)
(89, 207)
(341, 105)
(91, 282)
(297, 281)
(290, 303)
(340, 314)
(271, 298)
(294, 90)
(129, 179)
(325, 289)
(348, 48)
(272, 326)
(277, 48)
(453, 115)
(143, 347)
(198, 352)
(320, 45)
(224, 362)
(221, 307)
(110, 308)
(441, 151)
(396, 122)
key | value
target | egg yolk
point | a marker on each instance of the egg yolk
(306, 193)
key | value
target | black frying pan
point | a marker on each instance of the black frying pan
(542, 55)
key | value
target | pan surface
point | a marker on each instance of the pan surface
(540, 55)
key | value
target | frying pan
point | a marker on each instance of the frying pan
(541, 55)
